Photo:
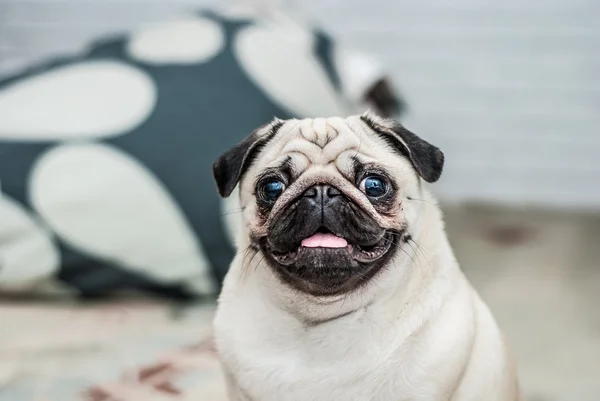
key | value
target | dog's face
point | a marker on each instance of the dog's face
(324, 199)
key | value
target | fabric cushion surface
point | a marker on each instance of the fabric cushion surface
(105, 157)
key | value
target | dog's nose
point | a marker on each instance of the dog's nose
(322, 194)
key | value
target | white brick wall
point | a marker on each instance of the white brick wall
(509, 89)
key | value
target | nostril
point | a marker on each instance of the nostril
(322, 191)
(333, 191)
(311, 193)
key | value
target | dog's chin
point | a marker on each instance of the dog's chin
(329, 271)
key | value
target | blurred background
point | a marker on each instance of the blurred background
(111, 115)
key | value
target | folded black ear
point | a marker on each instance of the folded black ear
(229, 168)
(427, 159)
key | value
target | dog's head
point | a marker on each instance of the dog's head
(324, 199)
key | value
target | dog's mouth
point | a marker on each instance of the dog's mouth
(324, 241)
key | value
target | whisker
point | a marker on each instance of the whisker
(247, 252)
(405, 239)
(420, 265)
(232, 212)
(391, 240)
(250, 250)
(421, 200)
(411, 258)
(420, 248)
(259, 262)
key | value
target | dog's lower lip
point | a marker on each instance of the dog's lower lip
(373, 252)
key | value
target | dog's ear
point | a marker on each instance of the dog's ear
(229, 168)
(427, 159)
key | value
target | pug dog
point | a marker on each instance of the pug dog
(345, 287)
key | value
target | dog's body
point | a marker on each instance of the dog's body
(403, 325)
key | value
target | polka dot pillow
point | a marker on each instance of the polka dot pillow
(105, 158)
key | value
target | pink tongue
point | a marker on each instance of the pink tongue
(320, 240)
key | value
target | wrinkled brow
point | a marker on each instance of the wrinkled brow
(285, 169)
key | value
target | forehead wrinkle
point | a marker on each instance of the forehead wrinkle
(352, 136)
(299, 161)
(296, 161)
(287, 133)
(344, 163)
(307, 148)
(344, 127)
(289, 126)
(338, 146)
(370, 145)
(318, 153)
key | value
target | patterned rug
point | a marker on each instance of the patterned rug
(122, 351)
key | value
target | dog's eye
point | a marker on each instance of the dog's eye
(373, 187)
(271, 190)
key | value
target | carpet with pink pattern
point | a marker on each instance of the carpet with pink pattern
(118, 351)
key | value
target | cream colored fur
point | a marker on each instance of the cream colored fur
(418, 331)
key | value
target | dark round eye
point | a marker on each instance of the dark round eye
(373, 187)
(271, 190)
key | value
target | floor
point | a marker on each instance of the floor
(540, 274)
(538, 271)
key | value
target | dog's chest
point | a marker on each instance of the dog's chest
(365, 363)
(324, 372)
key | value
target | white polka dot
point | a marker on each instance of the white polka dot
(91, 99)
(240, 11)
(103, 202)
(28, 256)
(279, 58)
(357, 72)
(188, 41)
